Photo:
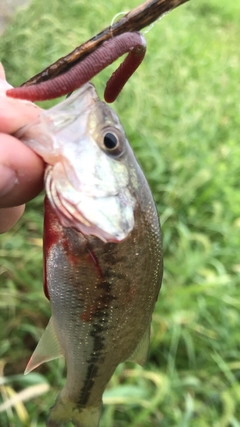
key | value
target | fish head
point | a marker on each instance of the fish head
(90, 178)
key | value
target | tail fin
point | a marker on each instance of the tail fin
(64, 411)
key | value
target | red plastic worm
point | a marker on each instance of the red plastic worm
(81, 73)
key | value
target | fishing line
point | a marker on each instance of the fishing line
(147, 29)
(116, 16)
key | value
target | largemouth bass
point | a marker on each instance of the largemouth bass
(102, 251)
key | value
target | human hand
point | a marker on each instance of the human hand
(21, 170)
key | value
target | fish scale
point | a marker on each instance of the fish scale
(102, 275)
(107, 310)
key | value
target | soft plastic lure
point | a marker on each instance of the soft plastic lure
(135, 20)
(132, 43)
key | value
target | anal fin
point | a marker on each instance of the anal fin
(47, 349)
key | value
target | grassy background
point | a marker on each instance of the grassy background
(181, 113)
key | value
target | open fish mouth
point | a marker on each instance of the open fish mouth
(90, 179)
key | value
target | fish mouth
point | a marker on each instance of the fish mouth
(112, 221)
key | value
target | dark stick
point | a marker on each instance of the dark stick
(135, 20)
(82, 72)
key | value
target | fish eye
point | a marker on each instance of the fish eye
(110, 140)
(113, 141)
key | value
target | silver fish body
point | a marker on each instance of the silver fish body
(102, 287)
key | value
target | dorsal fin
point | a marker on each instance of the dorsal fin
(140, 353)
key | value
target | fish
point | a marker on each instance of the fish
(102, 244)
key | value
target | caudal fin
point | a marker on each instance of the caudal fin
(65, 411)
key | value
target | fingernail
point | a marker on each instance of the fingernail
(8, 179)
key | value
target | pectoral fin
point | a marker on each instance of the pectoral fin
(141, 351)
(47, 349)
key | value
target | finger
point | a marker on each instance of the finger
(15, 114)
(21, 172)
(9, 217)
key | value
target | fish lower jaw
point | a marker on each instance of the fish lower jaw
(78, 222)
(70, 215)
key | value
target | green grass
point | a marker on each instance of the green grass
(181, 113)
